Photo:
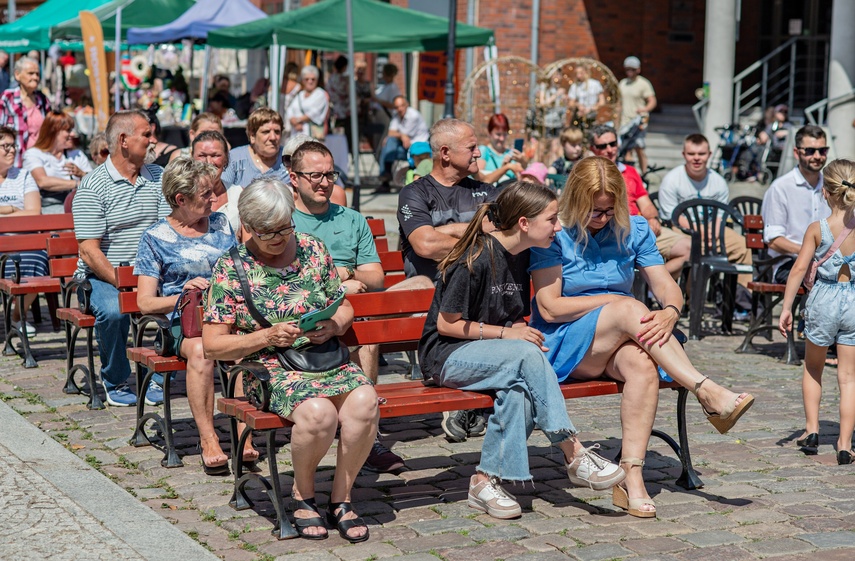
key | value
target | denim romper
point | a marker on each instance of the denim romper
(830, 307)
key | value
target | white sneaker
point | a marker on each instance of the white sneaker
(488, 496)
(589, 469)
(29, 327)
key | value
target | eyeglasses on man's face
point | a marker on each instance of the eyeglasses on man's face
(9, 147)
(267, 236)
(317, 176)
(604, 145)
(810, 151)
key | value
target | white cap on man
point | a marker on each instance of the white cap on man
(632, 62)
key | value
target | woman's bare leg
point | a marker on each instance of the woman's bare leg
(200, 395)
(812, 385)
(620, 322)
(358, 414)
(846, 380)
(315, 421)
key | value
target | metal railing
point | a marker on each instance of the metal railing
(699, 110)
(820, 107)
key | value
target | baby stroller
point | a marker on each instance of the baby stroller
(738, 156)
(627, 135)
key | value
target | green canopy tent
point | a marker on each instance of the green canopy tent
(32, 31)
(351, 26)
(377, 27)
(134, 13)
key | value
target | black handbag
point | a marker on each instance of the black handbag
(328, 355)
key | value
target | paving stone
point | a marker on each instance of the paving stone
(442, 526)
(655, 545)
(427, 543)
(485, 552)
(509, 533)
(547, 542)
(599, 552)
(830, 540)
(365, 550)
(777, 547)
(712, 538)
(540, 556)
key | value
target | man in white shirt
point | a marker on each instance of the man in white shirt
(407, 126)
(795, 200)
(694, 180)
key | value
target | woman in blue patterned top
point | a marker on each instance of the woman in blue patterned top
(593, 326)
(177, 253)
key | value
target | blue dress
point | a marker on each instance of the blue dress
(601, 267)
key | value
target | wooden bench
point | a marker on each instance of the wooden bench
(764, 287)
(148, 360)
(401, 399)
(28, 233)
(62, 253)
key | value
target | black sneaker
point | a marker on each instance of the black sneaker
(382, 460)
(477, 422)
(455, 424)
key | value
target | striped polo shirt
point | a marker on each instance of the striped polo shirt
(109, 208)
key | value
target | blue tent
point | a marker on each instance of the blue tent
(196, 22)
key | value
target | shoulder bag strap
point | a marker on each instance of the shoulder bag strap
(247, 293)
(844, 233)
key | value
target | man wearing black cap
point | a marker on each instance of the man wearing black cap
(637, 98)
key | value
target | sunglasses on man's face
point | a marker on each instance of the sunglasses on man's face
(603, 146)
(810, 151)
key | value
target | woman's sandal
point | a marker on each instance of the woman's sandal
(620, 496)
(344, 525)
(217, 470)
(302, 524)
(724, 420)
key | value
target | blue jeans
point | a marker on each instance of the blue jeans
(527, 393)
(392, 151)
(111, 330)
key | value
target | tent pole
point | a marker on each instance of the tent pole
(117, 49)
(449, 78)
(273, 60)
(354, 117)
(203, 90)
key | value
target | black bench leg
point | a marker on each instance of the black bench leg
(29, 361)
(71, 387)
(240, 500)
(283, 529)
(171, 458)
(94, 399)
(688, 479)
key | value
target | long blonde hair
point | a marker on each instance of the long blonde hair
(589, 178)
(521, 198)
(839, 184)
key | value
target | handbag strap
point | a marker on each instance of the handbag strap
(844, 233)
(244, 286)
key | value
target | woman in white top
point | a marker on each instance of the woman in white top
(211, 147)
(310, 107)
(54, 163)
(19, 196)
(586, 94)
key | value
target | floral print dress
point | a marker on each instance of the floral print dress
(309, 283)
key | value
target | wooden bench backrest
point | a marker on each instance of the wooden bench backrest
(126, 281)
(33, 224)
(28, 242)
(378, 327)
(753, 224)
(378, 230)
(393, 267)
(62, 252)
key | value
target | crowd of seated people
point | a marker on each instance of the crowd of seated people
(252, 226)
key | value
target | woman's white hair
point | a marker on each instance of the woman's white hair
(310, 70)
(266, 204)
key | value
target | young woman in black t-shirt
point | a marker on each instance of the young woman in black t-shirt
(476, 338)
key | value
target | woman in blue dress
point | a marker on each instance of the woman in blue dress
(593, 326)
(178, 253)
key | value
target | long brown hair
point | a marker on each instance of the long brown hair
(589, 178)
(55, 121)
(519, 199)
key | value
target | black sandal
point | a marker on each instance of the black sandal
(301, 524)
(344, 525)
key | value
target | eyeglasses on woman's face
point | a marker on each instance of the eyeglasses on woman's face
(597, 213)
(9, 147)
(267, 236)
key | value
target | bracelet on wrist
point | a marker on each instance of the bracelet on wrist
(673, 307)
(480, 330)
(502, 332)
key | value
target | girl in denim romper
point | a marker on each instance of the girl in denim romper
(829, 310)
(475, 338)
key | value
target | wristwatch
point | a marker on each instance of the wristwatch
(351, 272)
